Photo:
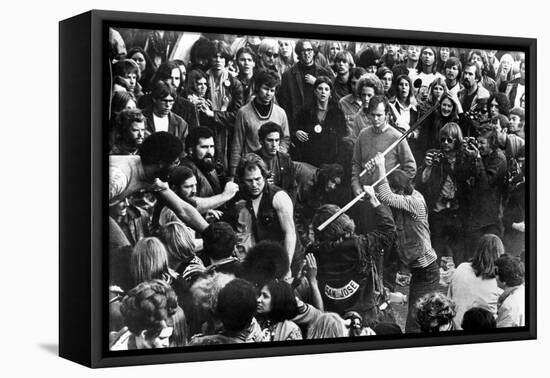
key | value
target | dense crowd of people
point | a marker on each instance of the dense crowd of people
(232, 157)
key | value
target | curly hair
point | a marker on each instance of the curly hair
(148, 305)
(510, 270)
(160, 147)
(341, 226)
(371, 81)
(434, 310)
(236, 305)
(264, 262)
(205, 290)
(219, 240)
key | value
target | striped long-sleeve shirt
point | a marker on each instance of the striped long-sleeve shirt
(415, 206)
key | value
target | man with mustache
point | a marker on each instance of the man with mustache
(148, 172)
(471, 76)
(200, 159)
(130, 131)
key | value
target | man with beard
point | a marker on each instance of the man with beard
(184, 183)
(263, 211)
(130, 132)
(297, 83)
(472, 91)
(259, 111)
(200, 159)
(146, 172)
(159, 115)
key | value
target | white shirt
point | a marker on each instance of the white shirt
(161, 124)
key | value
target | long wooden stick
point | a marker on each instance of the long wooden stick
(405, 134)
(353, 201)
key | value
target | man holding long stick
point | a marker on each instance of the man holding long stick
(371, 140)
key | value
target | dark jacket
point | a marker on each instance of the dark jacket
(346, 267)
(285, 177)
(176, 125)
(291, 95)
(325, 144)
(488, 190)
(462, 176)
(224, 120)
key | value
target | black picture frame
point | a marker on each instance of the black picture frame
(82, 310)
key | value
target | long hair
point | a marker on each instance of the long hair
(164, 73)
(437, 81)
(149, 260)
(180, 244)
(192, 77)
(410, 100)
(341, 226)
(327, 325)
(434, 310)
(150, 66)
(452, 130)
(420, 63)
(489, 248)
(283, 301)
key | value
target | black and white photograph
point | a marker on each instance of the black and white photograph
(268, 188)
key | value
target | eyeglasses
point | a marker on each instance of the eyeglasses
(448, 140)
(271, 55)
(308, 50)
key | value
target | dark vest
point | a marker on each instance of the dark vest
(266, 225)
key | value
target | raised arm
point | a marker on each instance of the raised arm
(285, 211)
(184, 211)
(207, 203)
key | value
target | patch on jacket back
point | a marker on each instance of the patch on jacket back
(343, 292)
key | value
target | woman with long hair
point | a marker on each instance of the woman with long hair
(180, 246)
(146, 66)
(474, 283)
(321, 126)
(287, 57)
(276, 308)
(328, 325)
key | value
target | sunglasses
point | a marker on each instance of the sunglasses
(271, 55)
(448, 140)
